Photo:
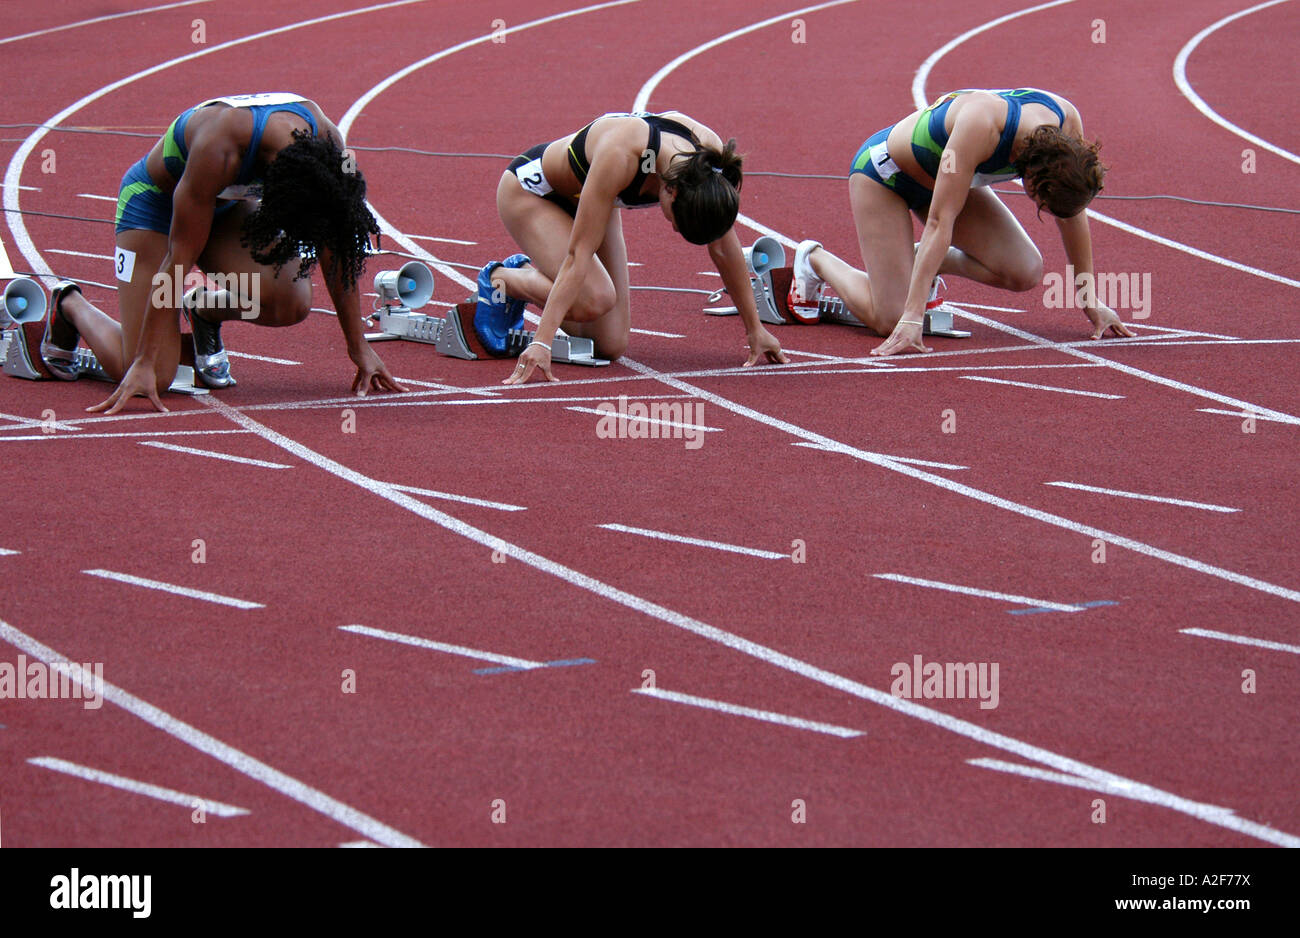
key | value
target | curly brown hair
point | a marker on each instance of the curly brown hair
(1061, 173)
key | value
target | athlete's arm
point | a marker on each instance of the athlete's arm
(729, 259)
(973, 138)
(213, 164)
(613, 165)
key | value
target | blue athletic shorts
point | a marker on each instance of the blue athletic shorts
(874, 162)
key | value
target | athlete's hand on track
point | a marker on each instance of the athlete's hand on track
(372, 375)
(534, 357)
(139, 380)
(1104, 318)
(906, 337)
(762, 344)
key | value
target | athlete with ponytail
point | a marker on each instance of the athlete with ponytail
(937, 162)
(254, 190)
(559, 201)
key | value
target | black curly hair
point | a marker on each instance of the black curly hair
(313, 197)
(707, 182)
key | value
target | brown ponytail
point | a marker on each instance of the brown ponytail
(707, 182)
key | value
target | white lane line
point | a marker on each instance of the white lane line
(697, 542)
(735, 710)
(100, 19)
(241, 762)
(1177, 333)
(173, 588)
(1043, 387)
(919, 101)
(662, 335)
(646, 419)
(996, 309)
(743, 645)
(105, 436)
(406, 401)
(972, 591)
(1129, 369)
(262, 358)
(170, 795)
(1242, 640)
(643, 96)
(465, 499)
(461, 650)
(211, 455)
(1120, 788)
(13, 173)
(359, 843)
(1242, 414)
(102, 198)
(443, 240)
(9, 553)
(97, 257)
(1180, 79)
(906, 459)
(31, 423)
(886, 462)
(1204, 506)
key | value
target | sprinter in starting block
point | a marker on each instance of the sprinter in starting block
(253, 189)
(937, 163)
(575, 261)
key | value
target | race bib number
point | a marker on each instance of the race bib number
(532, 178)
(883, 162)
(123, 264)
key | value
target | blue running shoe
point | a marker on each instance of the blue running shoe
(493, 319)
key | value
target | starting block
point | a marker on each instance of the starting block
(770, 280)
(20, 353)
(453, 334)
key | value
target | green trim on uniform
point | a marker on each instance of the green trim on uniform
(130, 192)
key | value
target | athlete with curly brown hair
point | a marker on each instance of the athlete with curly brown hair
(937, 163)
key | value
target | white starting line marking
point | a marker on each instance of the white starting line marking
(204, 452)
(465, 499)
(103, 436)
(1240, 413)
(1204, 506)
(8, 553)
(98, 257)
(766, 716)
(639, 419)
(262, 358)
(140, 788)
(972, 591)
(359, 843)
(1124, 789)
(173, 588)
(31, 423)
(1043, 387)
(1181, 333)
(680, 539)
(662, 335)
(461, 650)
(443, 240)
(914, 462)
(1242, 640)
(102, 198)
(996, 309)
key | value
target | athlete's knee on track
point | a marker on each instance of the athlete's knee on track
(611, 349)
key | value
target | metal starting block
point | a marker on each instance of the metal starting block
(770, 280)
(20, 351)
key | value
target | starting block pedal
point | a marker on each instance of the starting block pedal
(453, 335)
(20, 353)
(771, 288)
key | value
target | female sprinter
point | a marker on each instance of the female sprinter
(937, 162)
(194, 199)
(578, 267)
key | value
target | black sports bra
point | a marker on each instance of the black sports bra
(630, 197)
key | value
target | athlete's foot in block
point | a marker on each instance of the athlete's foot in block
(211, 363)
